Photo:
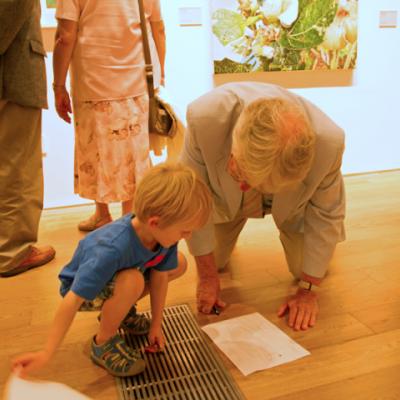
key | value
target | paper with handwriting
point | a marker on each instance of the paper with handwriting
(253, 343)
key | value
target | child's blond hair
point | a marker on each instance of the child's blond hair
(173, 192)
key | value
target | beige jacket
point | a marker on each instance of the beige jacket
(315, 207)
(22, 67)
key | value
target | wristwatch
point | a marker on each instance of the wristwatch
(307, 286)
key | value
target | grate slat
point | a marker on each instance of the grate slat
(190, 346)
(221, 372)
(209, 367)
(177, 367)
(179, 357)
(197, 367)
(140, 381)
(170, 384)
(162, 376)
(189, 369)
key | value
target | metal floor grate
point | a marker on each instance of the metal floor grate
(189, 369)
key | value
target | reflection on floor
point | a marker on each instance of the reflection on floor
(355, 347)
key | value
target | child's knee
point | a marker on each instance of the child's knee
(129, 280)
(182, 265)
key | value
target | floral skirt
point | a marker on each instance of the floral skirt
(111, 148)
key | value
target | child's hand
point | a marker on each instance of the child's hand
(30, 362)
(156, 338)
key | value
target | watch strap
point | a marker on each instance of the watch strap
(307, 285)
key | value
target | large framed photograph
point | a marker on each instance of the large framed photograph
(51, 3)
(283, 35)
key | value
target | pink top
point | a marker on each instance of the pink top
(108, 60)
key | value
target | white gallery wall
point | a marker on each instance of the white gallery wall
(368, 109)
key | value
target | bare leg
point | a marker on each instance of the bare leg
(102, 211)
(129, 285)
(100, 217)
(127, 206)
(173, 274)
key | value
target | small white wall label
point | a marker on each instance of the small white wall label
(388, 19)
(190, 16)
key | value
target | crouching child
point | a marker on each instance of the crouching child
(116, 265)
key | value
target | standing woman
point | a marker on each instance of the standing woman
(101, 41)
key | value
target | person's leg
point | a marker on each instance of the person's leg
(86, 179)
(88, 174)
(293, 243)
(100, 217)
(180, 269)
(108, 348)
(21, 186)
(112, 152)
(139, 324)
(127, 206)
(133, 322)
(129, 285)
(172, 274)
(102, 211)
(134, 149)
(226, 236)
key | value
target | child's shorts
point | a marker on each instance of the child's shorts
(97, 303)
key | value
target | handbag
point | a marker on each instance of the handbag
(162, 119)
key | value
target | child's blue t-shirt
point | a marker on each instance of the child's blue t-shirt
(104, 252)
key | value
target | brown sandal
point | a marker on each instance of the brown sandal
(93, 223)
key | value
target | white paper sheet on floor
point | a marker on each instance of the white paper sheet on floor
(22, 389)
(253, 343)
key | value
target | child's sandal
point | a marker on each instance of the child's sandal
(117, 358)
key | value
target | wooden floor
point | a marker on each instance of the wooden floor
(355, 346)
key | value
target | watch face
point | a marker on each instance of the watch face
(305, 285)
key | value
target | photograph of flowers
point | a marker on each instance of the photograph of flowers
(51, 3)
(48, 18)
(283, 35)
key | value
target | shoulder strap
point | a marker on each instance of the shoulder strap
(146, 51)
